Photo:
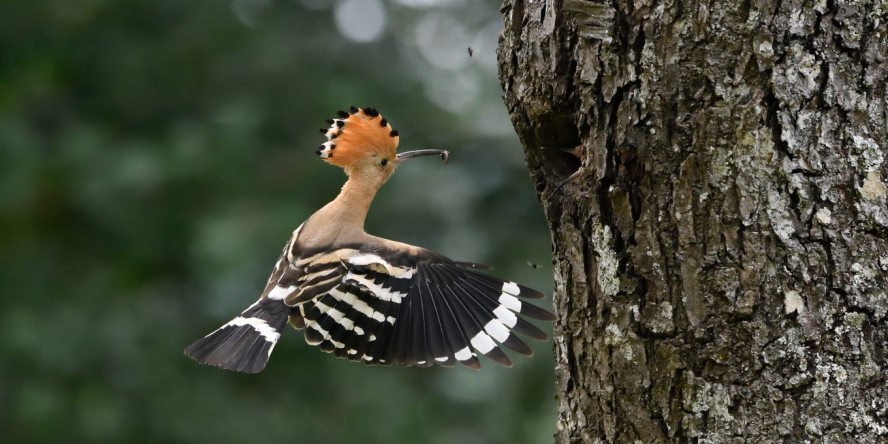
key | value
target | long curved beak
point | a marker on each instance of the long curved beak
(445, 155)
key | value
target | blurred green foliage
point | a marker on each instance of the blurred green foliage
(154, 158)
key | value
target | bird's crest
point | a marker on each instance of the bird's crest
(357, 134)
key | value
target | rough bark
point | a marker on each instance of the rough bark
(720, 265)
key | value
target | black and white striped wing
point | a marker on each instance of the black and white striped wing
(414, 311)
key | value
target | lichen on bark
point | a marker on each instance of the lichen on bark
(721, 262)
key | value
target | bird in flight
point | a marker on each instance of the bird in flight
(369, 299)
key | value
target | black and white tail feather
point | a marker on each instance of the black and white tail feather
(245, 343)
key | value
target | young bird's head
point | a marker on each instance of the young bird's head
(364, 144)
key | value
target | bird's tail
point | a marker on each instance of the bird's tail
(245, 343)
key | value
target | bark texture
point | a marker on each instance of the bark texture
(720, 265)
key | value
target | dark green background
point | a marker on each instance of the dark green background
(154, 158)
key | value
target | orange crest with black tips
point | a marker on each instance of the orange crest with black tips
(358, 134)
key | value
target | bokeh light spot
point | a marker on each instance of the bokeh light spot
(443, 41)
(360, 20)
(453, 91)
(248, 11)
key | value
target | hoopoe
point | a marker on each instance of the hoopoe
(370, 299)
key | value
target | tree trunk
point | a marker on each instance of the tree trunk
(721, 262)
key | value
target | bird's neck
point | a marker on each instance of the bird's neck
(353, 202)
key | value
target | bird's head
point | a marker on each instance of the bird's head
(364, 144)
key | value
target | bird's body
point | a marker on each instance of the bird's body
(369, 299)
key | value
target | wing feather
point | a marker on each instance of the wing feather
(484, 308)
(453, 331)
(438, 346)
(368, 325)
(408, 308)
(480, 340)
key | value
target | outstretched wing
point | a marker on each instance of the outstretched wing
(421, 309)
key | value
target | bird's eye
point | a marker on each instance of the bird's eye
(383, 162)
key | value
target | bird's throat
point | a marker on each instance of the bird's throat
(353, 202)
